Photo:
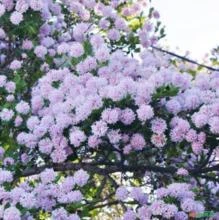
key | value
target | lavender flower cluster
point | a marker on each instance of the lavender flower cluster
(73, 96)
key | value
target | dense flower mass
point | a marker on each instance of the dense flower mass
(163, 206)
(89, 129)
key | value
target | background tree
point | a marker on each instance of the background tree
(97, 120)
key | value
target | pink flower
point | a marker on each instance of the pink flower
(10, 87)
(21, 6)
(122, 193)
(181, 216)
(10, 98)
(197, 147)
(12, 213)
(45, 146)
(102, 54)
(138, 195)
(159, 140)
(156, 14)
(18, 121)
(144, 212)
(127, 116)
(5, 176)
(9, 4)
(77, 137)
(6, 114)
(191, 136)
(188, 205)
(59, 156)
(36, 5)
(129, 215)
(3, 80)
(16, 18)
(76, 50)
(158, 125)
(2, 34)
(93, 141)
(99, 128)
(173, 106)
(63, 48)
(176, 135)
(113, 34)
(169, 211)
(2, 9)
(23, 108)
(73, 217)
(201, 137)
(47, 176)
(157, 207)
(80, 30)
(137, 142)
(120, 24)
(27, 45)
(40, 51)
(145, 112)
(199, 119)
(81, 177)
(111, 116)
(182, 172)
(114, 136)
(104, 23)
(214, 125)
(59, 214)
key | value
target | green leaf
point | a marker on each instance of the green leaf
(20, 83)
(165, 91)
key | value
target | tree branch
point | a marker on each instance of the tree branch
(184, 58)
(209, 169)
(105, 169)
(109, 168)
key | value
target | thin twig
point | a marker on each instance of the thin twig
(184, 58)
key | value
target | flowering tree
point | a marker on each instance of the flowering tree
(94, 122)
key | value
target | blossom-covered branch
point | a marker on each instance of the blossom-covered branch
(94, 122)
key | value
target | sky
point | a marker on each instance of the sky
(191, 25)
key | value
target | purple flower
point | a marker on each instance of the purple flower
(5, 176)
(16, 18)
(113, 34)
(23, 108)
(158, 125)
(145, 112)
(81, 177)
(99, 128)
(36, 5)
(137, 142)
(2, 9)
(6, 114)
(122, 193)
(12, 213)
(182, 172)
(159, 140)
(169, 211)
(76, 50)
(40, 51)
(214, 125)
(77, 137)
(47, 176)
(129, 215)
(127, 116)
(138, 195)
(111, 116)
